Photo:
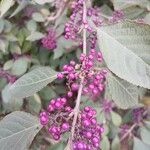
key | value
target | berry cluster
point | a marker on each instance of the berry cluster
(49, 41)
(55, 117)
(93, 79)
(88, 131)
(72, 27)
(76, 24)
(94, 13)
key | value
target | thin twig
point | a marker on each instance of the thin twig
(84, 29)
(128, 132)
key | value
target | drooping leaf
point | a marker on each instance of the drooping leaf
(32, 82)
(124, 94)
(17, 130)
(123, 46)
(139, 145)
(5, 5)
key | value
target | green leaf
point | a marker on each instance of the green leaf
(124, 46)
(5, 5)
(105, 9)
(116, 118)
(145, 135)
(20, 66)
(17, 130)
(116, 144)
(32, 82)
(58, 52)
(38, 17)
(124, 94)
(8, 64)
(21, 35)
(14, 48)
(31, 26)
(35, 36)
(62, 45)
(47, 93)
(10, 103)
(139, 145)
(105, 144)
(34, 104)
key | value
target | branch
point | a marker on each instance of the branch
(77, 107)
(128, 132)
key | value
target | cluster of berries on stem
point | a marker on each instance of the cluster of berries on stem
(58, 121)
(94, 80)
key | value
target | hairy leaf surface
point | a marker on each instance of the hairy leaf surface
(124, 94)
(124, 46)
(32, 82)
(17, 130)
